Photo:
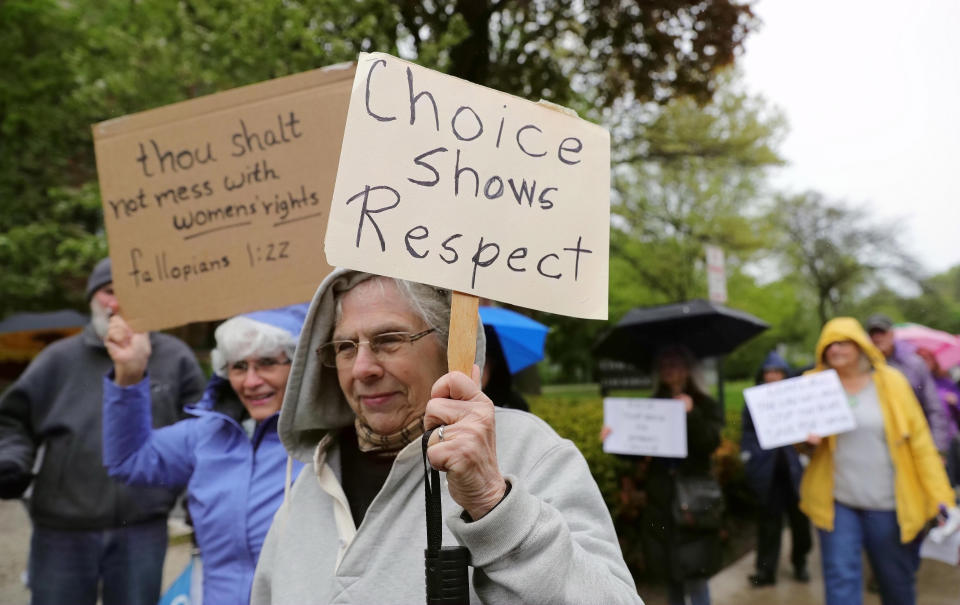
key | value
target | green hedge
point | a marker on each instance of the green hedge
(578, 416)
(576, 413)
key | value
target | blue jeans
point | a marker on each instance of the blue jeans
(894, 563)
(697, 589)
(67, 566)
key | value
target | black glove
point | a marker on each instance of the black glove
(13, 480)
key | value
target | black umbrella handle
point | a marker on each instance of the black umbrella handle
(445, 568)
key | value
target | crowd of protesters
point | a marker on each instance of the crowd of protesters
(318, 499)
(302, 470)
(874, 490)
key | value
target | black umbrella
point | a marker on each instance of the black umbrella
(39, 322)
(24, 335)
(708, 329)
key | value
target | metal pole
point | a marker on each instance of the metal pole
(720, 385)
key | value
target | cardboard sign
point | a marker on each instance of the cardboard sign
(788, 411)
(456, 185)
(645, 427)
(217, 205)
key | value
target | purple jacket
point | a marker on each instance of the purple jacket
(946, 388)
(917, 372)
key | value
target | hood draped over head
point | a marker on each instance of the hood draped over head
(847, 328)
(774, 361)
(314, 404)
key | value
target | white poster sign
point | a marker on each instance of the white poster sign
(645, 427)
(947, 550)
(788, 411)
(716, 274)
(464, 187)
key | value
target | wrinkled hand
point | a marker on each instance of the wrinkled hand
(468, 452)
(129, 351)
(687, 401)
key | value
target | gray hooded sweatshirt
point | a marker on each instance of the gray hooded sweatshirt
(550, 540)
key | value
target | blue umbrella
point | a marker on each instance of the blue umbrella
(187, 588)
(521, 338)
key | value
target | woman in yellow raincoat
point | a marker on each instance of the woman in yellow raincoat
(877, 486)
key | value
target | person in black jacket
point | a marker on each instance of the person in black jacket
(91, 534)
(774, 476)
(684, 557)
(496, 380)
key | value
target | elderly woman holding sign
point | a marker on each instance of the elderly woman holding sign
(369, 374)
(877, 486)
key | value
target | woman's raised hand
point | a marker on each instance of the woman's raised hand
(605, 432)
(468, 451)
(129, 351)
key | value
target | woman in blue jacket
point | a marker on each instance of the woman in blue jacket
(226, 453)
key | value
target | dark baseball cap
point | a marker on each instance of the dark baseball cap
(879, 322)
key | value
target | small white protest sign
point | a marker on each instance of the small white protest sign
(946, 550)
(645, 427)
(788, 411)
(453, 184)
(716, 274)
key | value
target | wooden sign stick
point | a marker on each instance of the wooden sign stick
(462, 342)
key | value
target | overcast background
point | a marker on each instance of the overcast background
(871, 91)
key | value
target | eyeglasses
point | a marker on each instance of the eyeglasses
(265, 366)
(344, 352)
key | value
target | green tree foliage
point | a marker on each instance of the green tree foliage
(838, 250)
(783, 303)
(48, 221)
(67, 65)
(605, 50)
(684, 175)
(692, 176)
(936, 305)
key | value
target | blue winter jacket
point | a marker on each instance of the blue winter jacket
(760, 464)
(234, 483)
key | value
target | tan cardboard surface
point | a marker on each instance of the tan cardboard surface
(487, 194)
(217, 205)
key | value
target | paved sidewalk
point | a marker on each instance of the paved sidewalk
(937, 584)
(15, 545)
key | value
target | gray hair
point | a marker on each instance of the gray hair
(430, 303)
(241, 337)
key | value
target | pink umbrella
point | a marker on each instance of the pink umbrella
(944, 346)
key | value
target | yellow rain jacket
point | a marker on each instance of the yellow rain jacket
(920, 481)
